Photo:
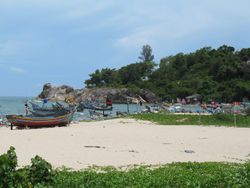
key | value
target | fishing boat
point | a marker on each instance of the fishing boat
(43, 113)
(31, 121)
(93, 106)
(56, 110)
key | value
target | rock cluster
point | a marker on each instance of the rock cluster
(118, 95)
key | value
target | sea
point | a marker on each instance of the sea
(15, 105)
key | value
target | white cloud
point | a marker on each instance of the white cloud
(17, 70)
(167, 26)
(10, 47)
(85, 9)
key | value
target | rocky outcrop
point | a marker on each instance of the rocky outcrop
(121, 95)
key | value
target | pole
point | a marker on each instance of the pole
(235, 122)
(199, 118)
(127, 106)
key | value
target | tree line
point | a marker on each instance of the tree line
(221, 74)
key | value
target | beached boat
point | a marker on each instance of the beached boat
(56, 110)
(26, 121)
(44, 113)
(93, 106)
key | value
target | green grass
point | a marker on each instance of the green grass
(40, 174)
(178, 119)
(172, 175)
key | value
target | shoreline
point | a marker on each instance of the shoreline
(124, 142)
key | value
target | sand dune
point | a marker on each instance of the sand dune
(120, 142)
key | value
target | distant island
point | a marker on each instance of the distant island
(221, 74)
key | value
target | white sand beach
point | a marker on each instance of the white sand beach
(120, 142)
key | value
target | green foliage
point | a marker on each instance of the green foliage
(40, 171)
(173, 175)
(8, 163)
(216, 74)
(190, 174)
(132, 74)
(178, 119)
(39, 174)
(103, 77)
(221, 74)
(223, 117)
(9, 175)
(146, 54)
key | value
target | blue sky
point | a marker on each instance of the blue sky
(63, 41)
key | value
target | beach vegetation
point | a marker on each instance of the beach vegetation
(38, 174)
(40, 171)
(198, 119)
(8, 164)
(189, 174)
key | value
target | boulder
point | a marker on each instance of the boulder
(118, 95)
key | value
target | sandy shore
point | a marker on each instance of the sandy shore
(120, 142)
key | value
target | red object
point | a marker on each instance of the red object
(109, 102)
(236, 103)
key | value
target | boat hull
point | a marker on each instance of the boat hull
(22, 121)
(42, 113)
(90, 106)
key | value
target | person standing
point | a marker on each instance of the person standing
(108, 102)
(26, 109)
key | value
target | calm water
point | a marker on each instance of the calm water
(15, 105)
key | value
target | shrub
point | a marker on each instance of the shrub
(39, 174)
(8, 163)
(40, 171)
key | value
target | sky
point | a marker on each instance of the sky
(63, 41)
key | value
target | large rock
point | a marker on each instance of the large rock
(46, 91)
(121, 95)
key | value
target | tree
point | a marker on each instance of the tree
(135, 72)
(146, 54)
(95, 79)
(102, 77)
(222, 74)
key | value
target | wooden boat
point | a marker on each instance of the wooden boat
(93, 106)
(43, 113)
(56, 110)
(26, 121)
(102, 108)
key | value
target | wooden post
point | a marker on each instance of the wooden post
(128, 105)
(235, 122)
(199, 118)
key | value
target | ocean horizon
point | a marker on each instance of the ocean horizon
(15, 105)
